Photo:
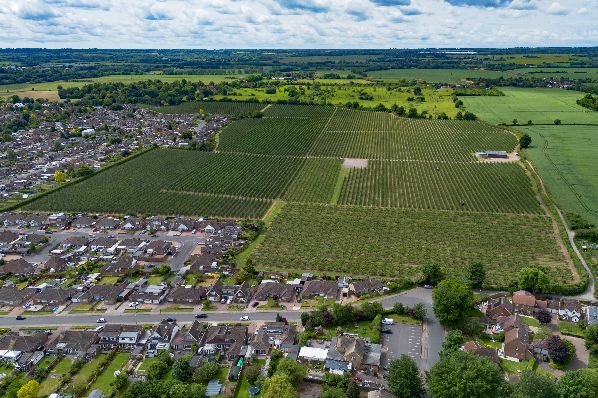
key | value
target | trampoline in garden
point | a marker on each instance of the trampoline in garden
(253, 391)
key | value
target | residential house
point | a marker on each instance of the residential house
(83, 222)
(54, 296)
(236, 293)
(102, 245)
(157, 223)
(130, 245)
(274, 290)
(107, 223)
(150, 294)
(23, 342)
(75, 242)
(476, 348)
(312, 354)
(359, 288)
(12, 296)
(120, 267)
(182, 225)
(524, 302)
(328, 290)
(160, 248)
(516, 343)
(161, 336)
(570, 310)
(55, 264)
(81, 343)
(277, 335)
(540, 349)
(497, 307)
(191, 295)
(229, 340)
(28, 360)
(133, 224)
(17, 267)
(355, 352)
(106, 293)
(204, 263)
(193, 335)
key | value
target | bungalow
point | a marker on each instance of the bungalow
(202, 263)
(187, 337)
(106, 293)
(83, 222)
(570, 310)
(8, 237)
(359, 288)
(29, 359)
(18, 267)
(75, 242)
(328, 290)
(524, 302)
(157, 223)
(186, 295)
(11, 296)
(235, 293)
(56, 296)
(122, 266)
(133, 224)
(131, 245)
(277, 335)
(102, 244)
(55, 264)
(160, 248)
(276, 291)
(107, 223)
(150, 294)
(182, 225)
(81, 343)
(229, 340)
(24, 343)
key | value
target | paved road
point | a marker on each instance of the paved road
(432, 335)
(404, 340)
(187, 244)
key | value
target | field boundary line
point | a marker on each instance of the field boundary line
(313, 144)
(266, 107)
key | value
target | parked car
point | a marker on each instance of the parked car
(99, 328)
(101, 320)
(170, 320)
(428, 287)
(20, 317)
(199, 316)
(255, 304)
(386, 331)
(244, 318)
(388, 321)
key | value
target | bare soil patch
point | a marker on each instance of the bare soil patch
(353, 163)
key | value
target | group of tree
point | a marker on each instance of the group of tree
(339, 315)
(475, 274)
(284, 381)
(589, 101)
(339, 386)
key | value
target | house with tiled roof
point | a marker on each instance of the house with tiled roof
(187, 337)
(274, 290)
(191, 295)
(277, 335)
(12, 296)
(229, 340)
(516, 343)
(328, 290)
(17, 267)
(80, 343)
(476, 348)
(524, 302)
(570, 310)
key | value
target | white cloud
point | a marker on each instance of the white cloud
(295, 23)
(557, 9)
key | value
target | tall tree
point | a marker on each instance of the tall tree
(432, 274)
(581, 383)
(534, 385)
(279, 386)
(181, 370)
(28, 390)
(452, 342)
(525, 140)
(404, 378)
(476, 274)
(465, 375)
(533, 279)
(292, 370)
(453, 301)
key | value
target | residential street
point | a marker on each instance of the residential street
(398, 342)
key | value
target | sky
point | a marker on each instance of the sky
(214, 24)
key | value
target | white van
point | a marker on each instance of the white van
(388, 321)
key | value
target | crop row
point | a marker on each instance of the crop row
(271, 136)
(223, 108)
(489, 187)
(306, 111)
(315, 182)
(398, 242)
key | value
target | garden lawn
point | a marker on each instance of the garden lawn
(530, 321)
(50, 384)
(86, 371)
(571, 329)
(512, 367)
(103, 381)
(109, 280)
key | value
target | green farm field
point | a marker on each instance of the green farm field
(398, 242)
(567, 159)
(452, 76)
(540, 105)
(223, 108)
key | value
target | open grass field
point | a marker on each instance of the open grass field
(437, 101)
(451, 76)
(398, 242)
(572, 73)
(540, 105)
(487, 187)
(567, 159)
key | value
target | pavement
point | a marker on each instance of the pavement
(404, 340)
(187, 243)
